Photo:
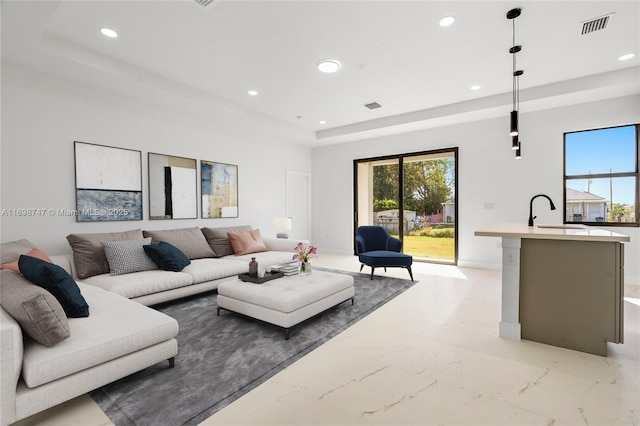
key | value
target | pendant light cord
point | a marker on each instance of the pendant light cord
(515, 79)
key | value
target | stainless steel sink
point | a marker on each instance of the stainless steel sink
(565, 226)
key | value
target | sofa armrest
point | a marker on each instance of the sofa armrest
(11, 351)
(282, 244)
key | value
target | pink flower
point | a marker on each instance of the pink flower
(304, 252)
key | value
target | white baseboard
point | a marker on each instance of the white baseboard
(479, 265)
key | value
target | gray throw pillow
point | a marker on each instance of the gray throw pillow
(10, 252)
(88, 253)
(39, 314)
(128, 256)
(219, 240)
(190, 241)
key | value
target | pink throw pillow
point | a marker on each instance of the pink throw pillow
(34, 252)
(247, 242)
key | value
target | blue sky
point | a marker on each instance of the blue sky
(599, 151)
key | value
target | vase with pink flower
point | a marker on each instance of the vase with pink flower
(303, 254)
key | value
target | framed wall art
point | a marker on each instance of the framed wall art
(108, 183)
(219, 188)
(172, 187)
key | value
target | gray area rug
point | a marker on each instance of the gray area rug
(221, 358)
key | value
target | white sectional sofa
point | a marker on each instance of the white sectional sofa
(151, 287)
(121, 335)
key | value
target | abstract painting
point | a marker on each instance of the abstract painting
(219, 187)
(172, 187)
(108, 183)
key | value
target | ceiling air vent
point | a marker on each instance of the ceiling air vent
(595, 24)
(373, 105)
(205, 3)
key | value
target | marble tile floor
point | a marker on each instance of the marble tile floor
(432, 356)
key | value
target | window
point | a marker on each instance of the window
(601, 184)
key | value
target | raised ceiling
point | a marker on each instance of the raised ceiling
(392, 52)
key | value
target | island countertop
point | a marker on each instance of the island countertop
(551, 232)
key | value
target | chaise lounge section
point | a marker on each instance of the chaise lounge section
(118, 338)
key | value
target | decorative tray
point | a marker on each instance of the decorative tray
(268, 276)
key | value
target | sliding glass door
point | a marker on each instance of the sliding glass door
(413, 197)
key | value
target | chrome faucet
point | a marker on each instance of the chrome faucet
(531, 216)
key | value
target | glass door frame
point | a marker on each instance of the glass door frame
(400, 158)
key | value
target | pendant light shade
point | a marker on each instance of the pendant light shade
(519, 151)
(515, 143)
(514, 124)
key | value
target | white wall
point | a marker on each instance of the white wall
(488, 175)
(42, 116)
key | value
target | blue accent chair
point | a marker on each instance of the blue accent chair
(376, 248)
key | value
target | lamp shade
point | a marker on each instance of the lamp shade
(282, 225)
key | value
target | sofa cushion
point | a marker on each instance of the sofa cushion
(11, 251)
(88, 254)
(39, 314)
(167, 256)
(58, 282)
(34, 252)
(190, 241)
(246, 242)
(203, 270)
(128, 256)
(141, 283)
(117, 327)
(219, 240)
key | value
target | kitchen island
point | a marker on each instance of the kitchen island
(561, 284)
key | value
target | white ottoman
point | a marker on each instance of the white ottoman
(286, 301)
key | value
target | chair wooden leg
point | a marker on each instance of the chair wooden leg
(410, 273)
(361, 266)
(372, 269)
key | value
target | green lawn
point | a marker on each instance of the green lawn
(429, 247)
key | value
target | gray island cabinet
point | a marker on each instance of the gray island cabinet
(562, 285)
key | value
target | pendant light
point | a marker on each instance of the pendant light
(514, 129)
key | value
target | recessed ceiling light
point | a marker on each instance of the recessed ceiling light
(108, 32)
(627, 56)
(328, 65)
(322, 122)
(475, 87)
(252, 93)
(446, 21)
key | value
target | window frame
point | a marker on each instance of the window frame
(634, 174)
(400, 161)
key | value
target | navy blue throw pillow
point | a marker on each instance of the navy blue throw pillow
(168, 257)
(56, 281)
